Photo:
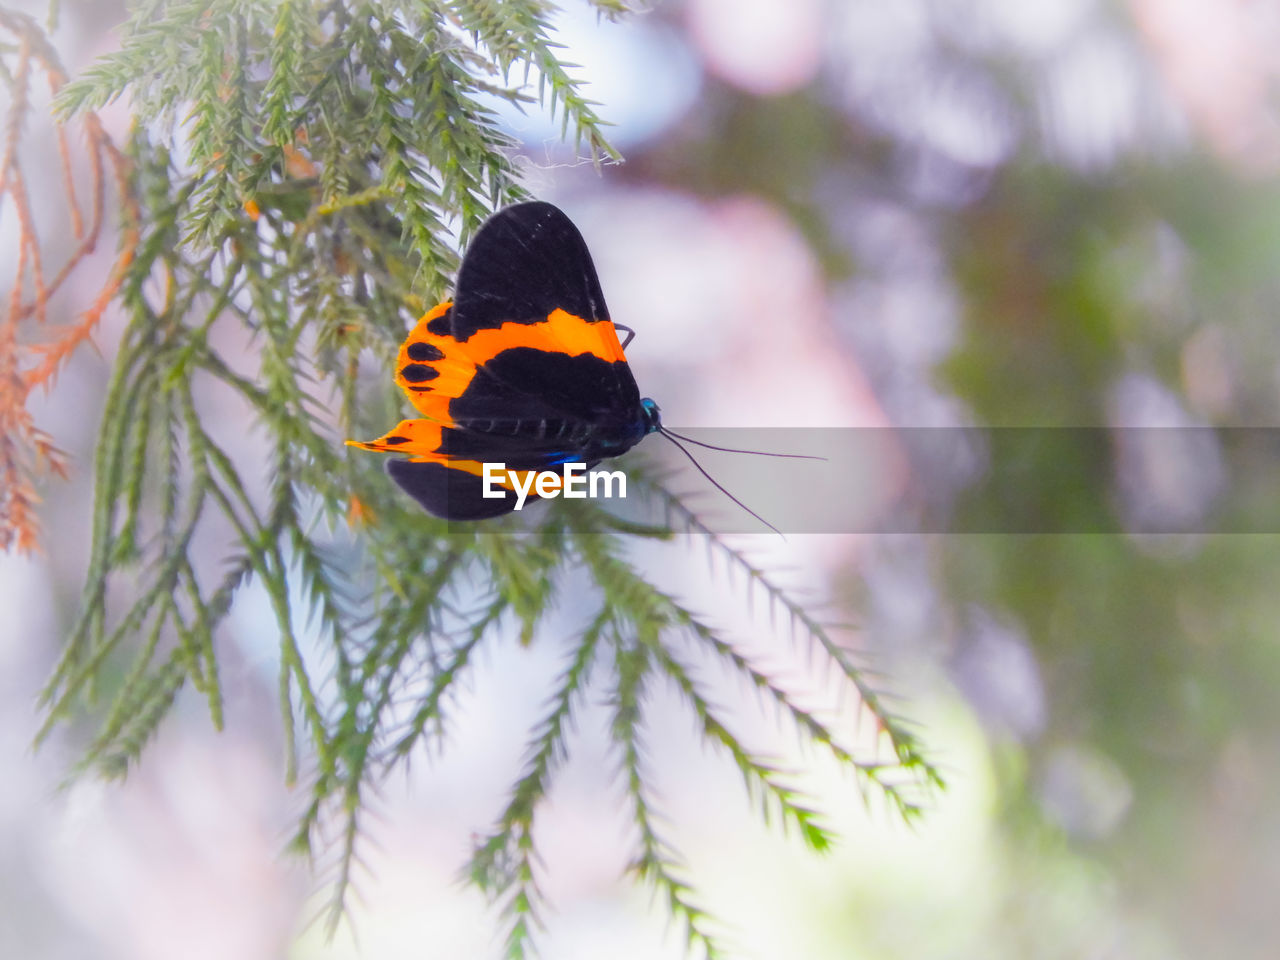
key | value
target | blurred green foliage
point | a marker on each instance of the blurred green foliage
(1149, 263)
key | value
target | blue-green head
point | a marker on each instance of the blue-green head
(651, 416)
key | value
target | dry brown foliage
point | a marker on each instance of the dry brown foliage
(32, 351)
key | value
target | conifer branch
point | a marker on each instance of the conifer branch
(330, 149)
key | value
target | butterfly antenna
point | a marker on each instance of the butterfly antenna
(672, 437)
(758, 453)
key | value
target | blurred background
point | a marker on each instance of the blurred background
(832, 213)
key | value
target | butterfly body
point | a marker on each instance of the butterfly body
(522, 367)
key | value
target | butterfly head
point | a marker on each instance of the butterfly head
(651, 416)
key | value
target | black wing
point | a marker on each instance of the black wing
(524, 262)
(527, 262)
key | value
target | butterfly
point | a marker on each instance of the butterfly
(523, 367)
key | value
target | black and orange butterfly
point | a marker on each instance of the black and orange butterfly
(522, 367)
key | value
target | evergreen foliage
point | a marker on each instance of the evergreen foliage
(293, 177)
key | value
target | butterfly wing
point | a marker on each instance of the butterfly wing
(525, 262)
(524, 367)
(529, 305)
